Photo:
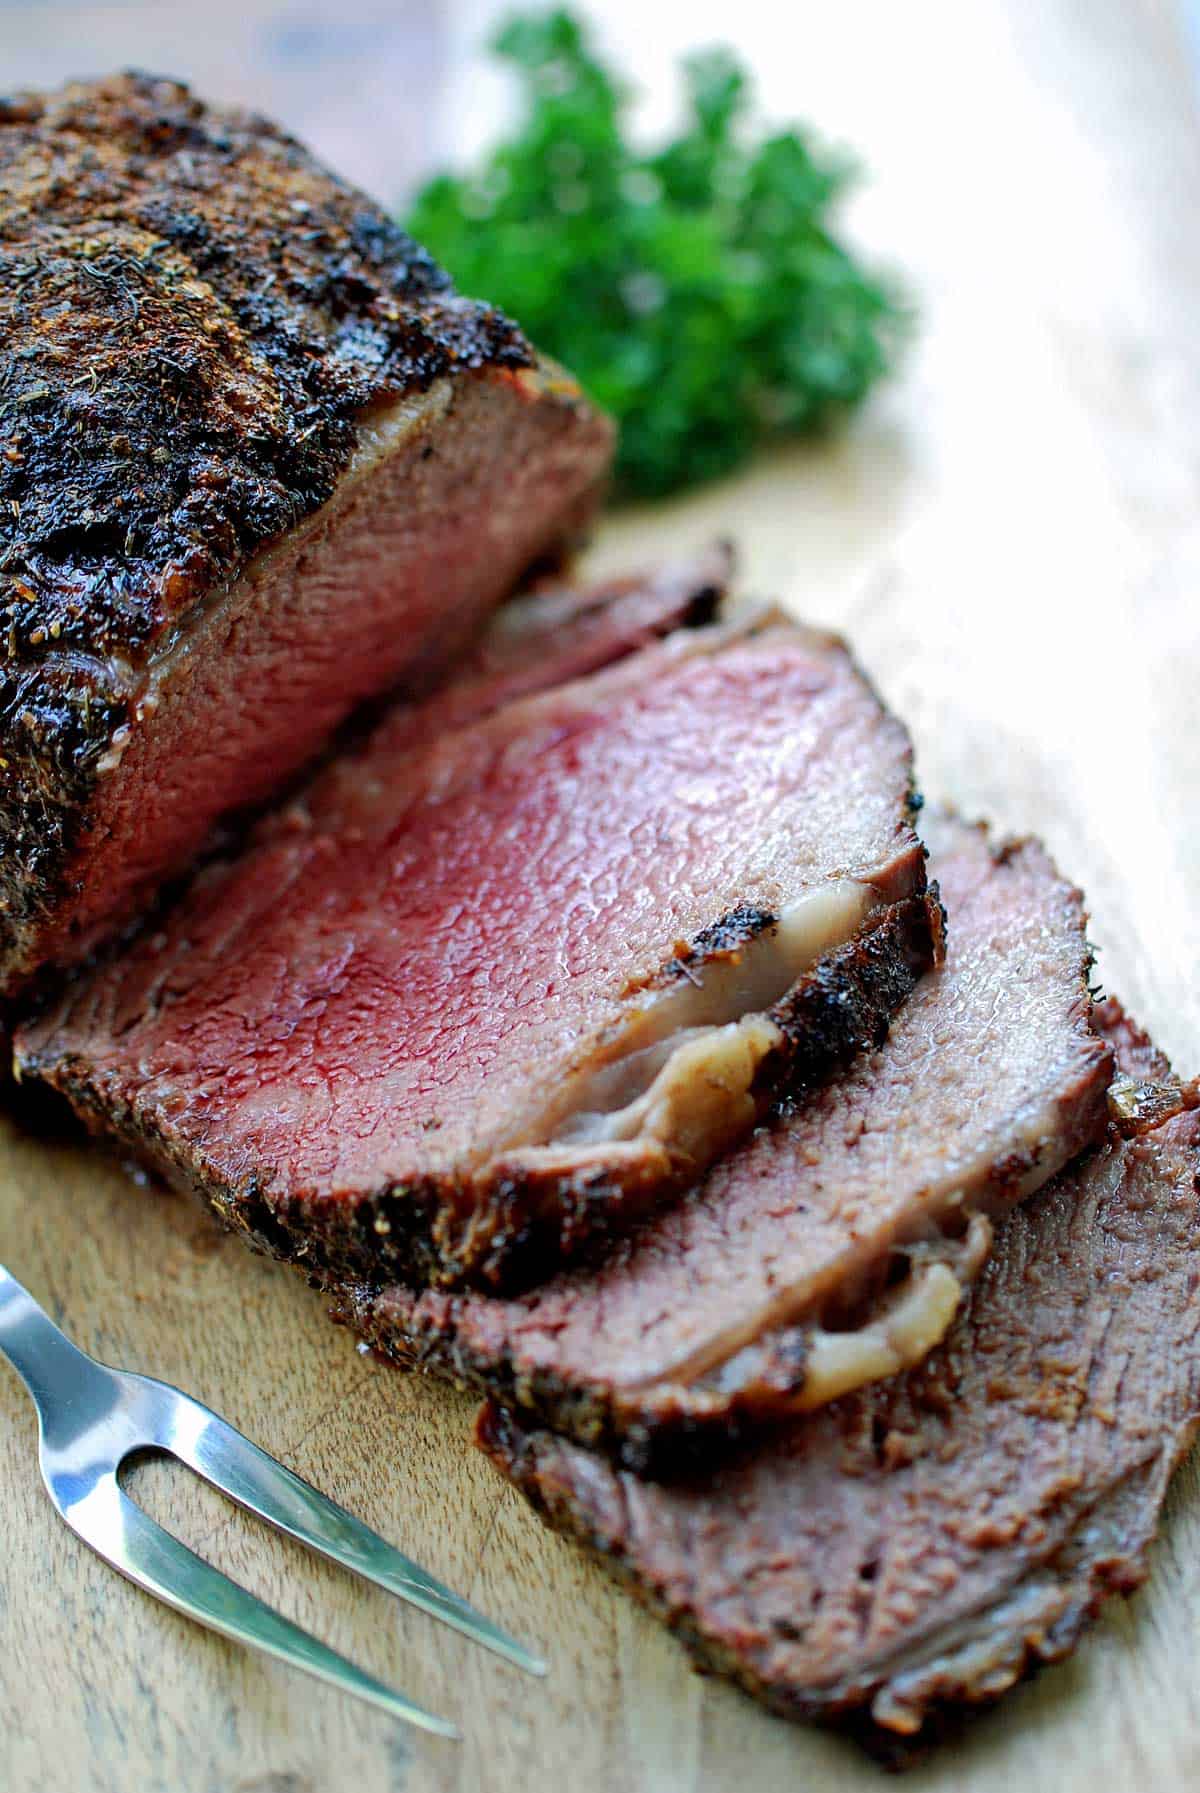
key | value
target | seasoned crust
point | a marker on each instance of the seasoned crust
(457, 1184)
(195, 318)
(906, 1556)
(517, 1229)
(835, 1246)
(195, 314)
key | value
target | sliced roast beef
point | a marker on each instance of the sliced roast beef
(919, 1545)
(559, 632)
(480, 997)
(258, 463)
(834, 1246)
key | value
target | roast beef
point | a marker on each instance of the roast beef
(487, 992)
(833, 1247)
(559, 632)
(258, 463)
(916, 1547)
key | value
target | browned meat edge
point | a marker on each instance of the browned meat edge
(195, 317)
(530, 1225)
(900, 1706)
(132, 193)
(600, 1414)
(1040, 1623)
(594, 1412)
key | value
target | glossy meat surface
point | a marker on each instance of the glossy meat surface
(913, 1549)
(990, 1079)
(260, 463)
(428, 1000)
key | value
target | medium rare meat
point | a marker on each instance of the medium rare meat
(562, 632)
(834, 1246)
(915, 1548)
(479, 997)
(258, 463)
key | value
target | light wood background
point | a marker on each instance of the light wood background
(1011, 537)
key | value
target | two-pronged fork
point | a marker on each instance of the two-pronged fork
(91, 1419)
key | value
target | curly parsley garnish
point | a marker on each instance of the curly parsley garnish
(699, 292)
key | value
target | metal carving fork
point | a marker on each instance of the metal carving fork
(92, 1419)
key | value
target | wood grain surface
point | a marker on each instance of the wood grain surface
(1011, 538)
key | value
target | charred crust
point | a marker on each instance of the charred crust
(705, 603)
(194, 315)
(516, 1229)
(667, 1437)
(702, 607)
(938, 923)
(725, 938)
(944, 1689)
(901, 1700)
(845, 1003)
(839, 1009)
(722, 939)
(56, 722)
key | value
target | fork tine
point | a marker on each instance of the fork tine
(227, 1459)
(119, 1531)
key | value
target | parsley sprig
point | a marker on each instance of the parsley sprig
(698, 290)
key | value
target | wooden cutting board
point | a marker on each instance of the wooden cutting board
(1012, 538)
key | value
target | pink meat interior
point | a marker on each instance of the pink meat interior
(987, 1066)
(385, 583)
(410, 958)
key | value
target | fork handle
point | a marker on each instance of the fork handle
(45, 1359)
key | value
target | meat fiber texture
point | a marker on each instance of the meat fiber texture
(559, 632)
(258, 463)
(912, 1550)
(834, 1246)
(486, 992)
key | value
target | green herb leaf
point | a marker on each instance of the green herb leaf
(698, 291)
